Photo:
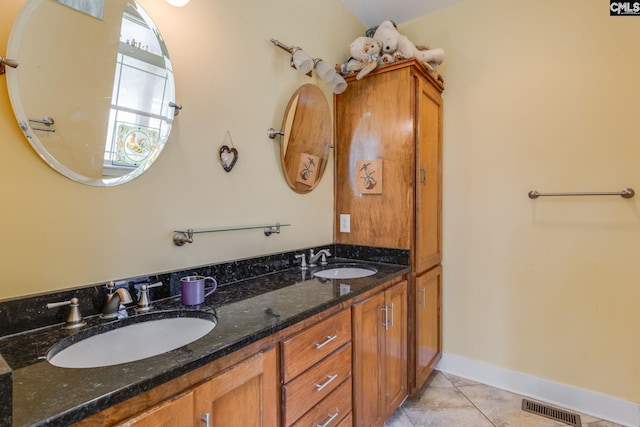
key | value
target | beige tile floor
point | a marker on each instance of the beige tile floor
(450, 401)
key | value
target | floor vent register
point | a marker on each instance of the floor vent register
(550, 412)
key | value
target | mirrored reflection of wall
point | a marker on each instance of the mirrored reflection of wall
(53, 53)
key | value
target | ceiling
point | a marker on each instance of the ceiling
(373, 12)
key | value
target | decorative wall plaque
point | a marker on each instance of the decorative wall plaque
(369, 176)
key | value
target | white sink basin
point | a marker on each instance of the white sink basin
(132, 342)
(345, 272)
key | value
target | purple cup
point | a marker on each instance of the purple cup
(193, 289)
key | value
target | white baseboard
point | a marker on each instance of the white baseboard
(584, 401)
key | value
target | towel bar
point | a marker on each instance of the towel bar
(626, 193)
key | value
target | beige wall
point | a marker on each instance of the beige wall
(541, 95)
(59, 234)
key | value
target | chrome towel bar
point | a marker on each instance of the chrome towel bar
(626, 193)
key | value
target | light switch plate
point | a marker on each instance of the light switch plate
(345, 223)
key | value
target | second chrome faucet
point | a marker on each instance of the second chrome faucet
(313, 258)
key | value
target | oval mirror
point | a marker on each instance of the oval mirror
(305, 145)
(94, 91)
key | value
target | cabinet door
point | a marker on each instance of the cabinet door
(244, 395)
(177, 412)
(368, 405)
(395, 347)
(428, 326)
(374, 120)
(428, 238)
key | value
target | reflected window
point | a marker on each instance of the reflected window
(139, 118)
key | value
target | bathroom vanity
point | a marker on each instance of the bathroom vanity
(285, 351)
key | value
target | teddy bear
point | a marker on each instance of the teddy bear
(366, 51)
(400, 47)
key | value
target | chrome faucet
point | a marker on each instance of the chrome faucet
(115, 297)
(313, 258)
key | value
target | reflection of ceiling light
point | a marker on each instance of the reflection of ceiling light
(177, 3)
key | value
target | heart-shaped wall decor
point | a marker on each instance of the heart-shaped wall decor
(228, 157)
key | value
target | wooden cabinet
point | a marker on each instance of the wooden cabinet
(316, 373)
(379, 355)
(172, 413)
(394, 114)
(428, 291)
(243, 395)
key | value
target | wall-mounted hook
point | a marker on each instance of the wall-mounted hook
(272, 133)
(180, 238)
(10, 62)
(176, 107)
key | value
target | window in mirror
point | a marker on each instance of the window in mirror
(141, 84)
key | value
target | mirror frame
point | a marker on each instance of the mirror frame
(307, 130)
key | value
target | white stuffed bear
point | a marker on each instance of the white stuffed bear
(398, 45)
(366, 51)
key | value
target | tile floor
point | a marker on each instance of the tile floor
(450, 401)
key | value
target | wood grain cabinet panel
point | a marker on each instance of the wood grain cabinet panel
(316, 373)
(393, 115)
(177, 412)
(329, 411)
(427, 307)
(380, 355)
(314, 344)
(309, 388)
(243, 395)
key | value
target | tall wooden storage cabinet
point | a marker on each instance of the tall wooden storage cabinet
(394, 116)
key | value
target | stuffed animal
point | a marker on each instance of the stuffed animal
(353, 65)
(366, 51)
(398, 45)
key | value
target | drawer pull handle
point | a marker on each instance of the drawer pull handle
(319, 387)
(206, 419)
(392, 314)
(386, 317)
(423, 291)
(329, 339)
(331, 418)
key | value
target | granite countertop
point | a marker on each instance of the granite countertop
(246, 311)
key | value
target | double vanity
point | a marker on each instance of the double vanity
(252, 317)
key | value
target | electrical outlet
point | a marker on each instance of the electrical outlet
(345, 223)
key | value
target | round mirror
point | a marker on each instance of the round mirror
(94, 91)
(305, 145)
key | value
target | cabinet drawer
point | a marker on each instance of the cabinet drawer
(331, 410)
(308, 347)
(313, 385)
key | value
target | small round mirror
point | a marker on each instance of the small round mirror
(305, 145)
(94, 91)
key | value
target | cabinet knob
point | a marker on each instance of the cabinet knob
(423, 175)
(423, 301)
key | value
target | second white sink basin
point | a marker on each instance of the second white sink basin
(132, 342)
(345, 272)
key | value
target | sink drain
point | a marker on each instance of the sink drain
(550, 412)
